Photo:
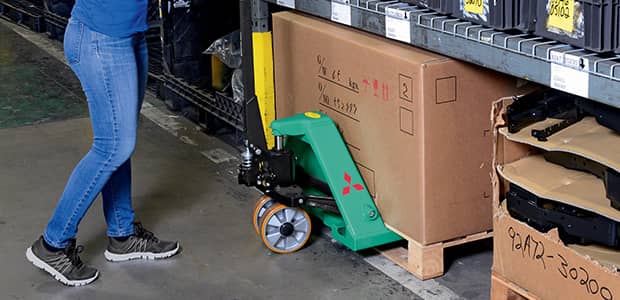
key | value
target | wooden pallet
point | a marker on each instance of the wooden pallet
(426, 262)
(503, 289)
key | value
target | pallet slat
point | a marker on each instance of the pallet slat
(503, 289)
(426, 262)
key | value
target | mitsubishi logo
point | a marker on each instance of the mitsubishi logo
(347, 189)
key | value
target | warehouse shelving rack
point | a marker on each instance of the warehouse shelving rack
(550, 63)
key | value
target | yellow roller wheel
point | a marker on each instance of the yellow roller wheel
(285, 229)
(261, 206)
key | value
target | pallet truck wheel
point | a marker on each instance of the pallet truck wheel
(262, 204)
(285, 229)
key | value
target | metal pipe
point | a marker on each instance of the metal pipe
(279, 143)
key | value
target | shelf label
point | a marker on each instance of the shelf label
(474, 6)
(570, 60)
(561, 14)
(570, 80)
(556, 57)
(341, 12)
(398, 25)
(576, 62)
(287, 3)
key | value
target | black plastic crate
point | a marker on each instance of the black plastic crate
(524, 18)
(188, 31)
(61, 8)
(617, 28)
(23, 13)
(152, 14)
(155, 59)
(482, 16)
(156, 56)
(513, 14)
(37, 3)
(593, 24)
(155, 84)
(447, 7)
(57, 13)
(500, 14)
(55, 26)
(154, 45)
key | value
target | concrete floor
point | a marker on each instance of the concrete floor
(180, 193)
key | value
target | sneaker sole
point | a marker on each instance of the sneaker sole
(139, 255)
(37, 262)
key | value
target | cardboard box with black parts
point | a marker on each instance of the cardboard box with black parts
(415, 122)
(542, 263)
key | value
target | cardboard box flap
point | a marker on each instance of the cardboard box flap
(554, 182)
(609, 257)
(586, 138)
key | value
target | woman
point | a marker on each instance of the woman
(105, 46)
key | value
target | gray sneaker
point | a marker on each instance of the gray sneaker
(142, 244)
(64, 265)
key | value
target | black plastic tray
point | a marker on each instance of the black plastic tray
(575, 225)
(218, 104)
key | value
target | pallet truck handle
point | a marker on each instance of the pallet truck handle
(254, 130)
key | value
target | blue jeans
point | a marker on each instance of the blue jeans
(113, 74)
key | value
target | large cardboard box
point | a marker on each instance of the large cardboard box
(415, 122)
(540, 262)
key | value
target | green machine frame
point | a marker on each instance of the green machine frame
(321, 152)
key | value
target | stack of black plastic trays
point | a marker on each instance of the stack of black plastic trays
(28, 14)
(571, 178)
(188, 29)
(56, 14)
(154, 44)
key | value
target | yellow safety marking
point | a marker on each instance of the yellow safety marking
(264, 82)
(312, 115)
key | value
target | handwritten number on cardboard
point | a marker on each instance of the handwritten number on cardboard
(606, 294)
(564, 263)
(577, 274)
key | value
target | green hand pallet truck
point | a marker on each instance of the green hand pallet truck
(309, 171)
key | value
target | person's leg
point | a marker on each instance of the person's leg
(108, 73)
(117, 201)
(117, 208)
